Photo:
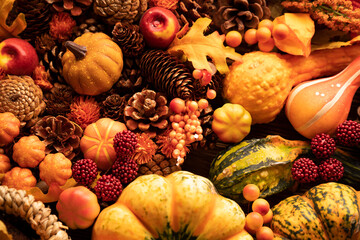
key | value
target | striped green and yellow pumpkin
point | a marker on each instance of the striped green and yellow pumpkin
(329, 211)
(182, 206)
(265, 162)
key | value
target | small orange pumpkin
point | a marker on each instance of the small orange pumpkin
(9, 128)
(4, 163)
(78, 207)
(19, 178)
(29, 151)
(55, 169)
(97, 141)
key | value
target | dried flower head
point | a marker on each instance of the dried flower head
(84, 111)
(168, 4)
(41, 78)
(145, 150)
(61, 26)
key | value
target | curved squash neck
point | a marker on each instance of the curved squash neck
(78, 50)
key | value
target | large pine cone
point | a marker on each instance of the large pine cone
(114, 11)
(59, 135)
(37, 14)
(146, 111)
(22, 97)
(188, 11)
(166, 74)
(240, 15)
(159, 165)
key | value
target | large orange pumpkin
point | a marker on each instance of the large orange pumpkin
(97, 141)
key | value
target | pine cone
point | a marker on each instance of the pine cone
(51, 60)
(129, 38)
(59, 135)
(88, 25)
(130, 80)
(114, 11)
(164, 72)
(113, 107)
(188, 11)
(58, 100)
(76, 7)
(37, 14)
(240, 15)
(159, 165)
(147, 111)
(22, 97)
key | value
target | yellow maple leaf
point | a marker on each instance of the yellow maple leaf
(196, 47)
(16, 27)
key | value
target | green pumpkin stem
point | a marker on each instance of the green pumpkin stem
(78, 50)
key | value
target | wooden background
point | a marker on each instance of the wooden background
(197, 162)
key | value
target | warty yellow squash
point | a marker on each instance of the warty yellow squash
(180, 206)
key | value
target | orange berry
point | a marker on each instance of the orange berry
(266, 23)
(265, 233)
(254, 221)
(233, 39)
(211, 94)
(203, 103)
(250, 36)
(261, 206)
(193, 106)
(267, 46)
(263, 34)
(268, 217)
(197, 74)
(251, 192)
(280, 31)
(177, 105)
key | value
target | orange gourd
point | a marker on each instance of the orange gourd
(19, 178)
(55, 169)
(97, 141)
(5, 164)
(319, 106)
(29, 151)
(78, 207)
(9, 128)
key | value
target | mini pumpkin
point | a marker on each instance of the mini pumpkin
(9, 128)
(19, 178)
(29, 151)
(92, 63)
(55, 169)
(5, 164)
(97, 141)
(78, 207)
(231, 122)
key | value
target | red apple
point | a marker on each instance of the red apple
(18, 57)
(159, 27)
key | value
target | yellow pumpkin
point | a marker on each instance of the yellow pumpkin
(92, 63)
(9, 128)
(180, 206)
(29, 151)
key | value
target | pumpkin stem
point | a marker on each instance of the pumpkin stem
(78, 50)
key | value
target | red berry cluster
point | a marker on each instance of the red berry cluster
(323, 146)
(125, 143)
(331, 170)
(108, 188)
(304, 170)
(125, 169)
(84, 171)
(348, 133)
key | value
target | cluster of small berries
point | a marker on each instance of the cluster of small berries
(323, 146)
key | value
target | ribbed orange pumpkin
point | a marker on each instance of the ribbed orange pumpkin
(19, 178)
(97, 141)
(9, 128)
(55, 169)
(29, 151)
(5, 164)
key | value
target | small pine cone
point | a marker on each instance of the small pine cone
(108, 188)
(323, 146)
(44, 43)
(348, 133)
(129, 38)
(160, 165)
(114, 11)
(166, 74)
(130, 80)
(88, 25)
(240, 15)
(113, 107)
(37, 14)
(304, 170)
(59, 99)
(51, 59)
(125, 143)
(147, 111)
(84, 171)
(76, 7)
(331, 170)
(125, 169)
(188, 11)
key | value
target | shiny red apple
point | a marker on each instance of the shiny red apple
(159, 27)
(18, 57)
